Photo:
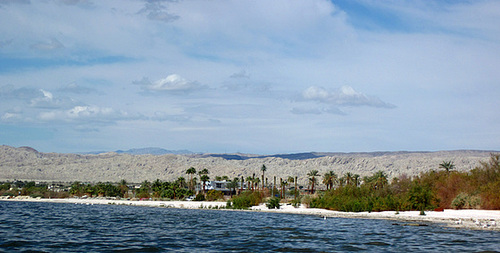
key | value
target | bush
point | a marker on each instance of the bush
(200, 197)
(213, 195)
(247, 199)
(273, 203)
(307, 200)
(464, 200)
(296, 201)
(421, 196)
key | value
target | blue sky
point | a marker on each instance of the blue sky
(258, 77)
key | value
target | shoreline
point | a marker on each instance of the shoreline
(467, 218)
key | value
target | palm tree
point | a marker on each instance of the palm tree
(296, 189)
(447, 165)
(181, 182)
(249, 181)
(327, 180)
(333, 178)
(290, 181)
(274, 185)
(284, 183)
(355, 178)
(312, 178)
(191, 171)
(204, 178)
(349, 178)
(256, 181)
(263, 169)
(242, 183)
(123, 188)
(381, 179)
(232, 185)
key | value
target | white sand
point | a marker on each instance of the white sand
(472, 219)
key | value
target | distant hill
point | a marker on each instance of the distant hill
(28, 164)
(144, 151)
(153, 151)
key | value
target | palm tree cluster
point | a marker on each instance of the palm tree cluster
(444, 189)
(447, 188)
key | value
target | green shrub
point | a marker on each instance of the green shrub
(200, 197)
(273, 203)
(213, 195)
(296, 201)
(247, 199)
(464, 200)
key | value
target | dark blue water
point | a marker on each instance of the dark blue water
(51, 227)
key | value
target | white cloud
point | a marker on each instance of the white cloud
(87, 115)
(89, 112)
(10, 116)
(47, 100)
(345, 96)
(172, 83)
(449, 54)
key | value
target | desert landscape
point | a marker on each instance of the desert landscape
(27, 164)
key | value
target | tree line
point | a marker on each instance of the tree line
(446, 188)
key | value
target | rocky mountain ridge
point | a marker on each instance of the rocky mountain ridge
(25, 163)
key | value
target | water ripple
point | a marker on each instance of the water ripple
(51, 227)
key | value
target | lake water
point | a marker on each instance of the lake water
(53, 227)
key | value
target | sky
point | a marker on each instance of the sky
(259, 76)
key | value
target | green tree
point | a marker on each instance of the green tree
(329, 179)
(181, 182)
(191, 171)
(349, 178)
(283, 184)
(312, 178)
(76, 189)
(249, 183)
(145, 190)
(203, 178)
(447, 165)
(377, 180)
(420, 196)
(232, 185)
(256, 182)
(123, 188)
(263, 169)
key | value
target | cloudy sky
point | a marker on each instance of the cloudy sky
(262, 77)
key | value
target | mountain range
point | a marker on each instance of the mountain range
(27, 164)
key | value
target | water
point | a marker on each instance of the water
(52, 227)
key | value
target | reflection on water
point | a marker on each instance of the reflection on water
(26, 226)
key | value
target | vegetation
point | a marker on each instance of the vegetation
(447, 165)
(312, 178)
(213, 195)
(246, 199)
(443, 188)
(263, 169)
(273, 203)
(477, 188)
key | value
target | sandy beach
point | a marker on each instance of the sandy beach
(469, 219)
